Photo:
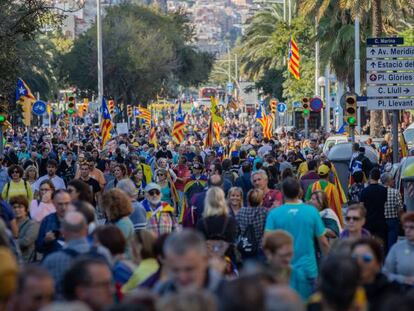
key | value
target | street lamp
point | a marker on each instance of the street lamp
(322, 83)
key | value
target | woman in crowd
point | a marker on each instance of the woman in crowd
(80, 191)
(235, 200)
(120, 172)
(218, 227)
(42, 207)
(399, 263)
(254, 216)
(31, 174)
(148, 264)
(117, 207)
(28, 228)
(111, 237)
(354, 221)
(369, 255)
(167, 194)
(137, 177)
(278, 249)
(330, 220)
(16, 185)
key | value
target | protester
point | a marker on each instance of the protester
(329, 218)
(272, 198)
(43, 207)
(80, 191)
(399, 262)
(28, 228)
(355, 220)
(235, 200)
(17, 185)
(51, 175)
(304, 223)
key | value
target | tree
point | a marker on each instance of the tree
(137, 63)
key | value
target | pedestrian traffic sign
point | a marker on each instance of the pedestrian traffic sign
(390, 64)
(390, 52)
(390, 103)
(385, 41)
(390, 78)
(281, 107)
(297, 104)
(39, 108)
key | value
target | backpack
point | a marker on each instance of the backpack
(216, 245)
(8, 188)
(247, 242)
(91, 253)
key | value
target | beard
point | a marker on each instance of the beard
(155, 201)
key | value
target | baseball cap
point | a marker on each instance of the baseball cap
(323, 170)
(152, 186)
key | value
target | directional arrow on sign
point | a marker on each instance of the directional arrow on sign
(390, 90)
(390, 77)
(390, 52)
(391, 65)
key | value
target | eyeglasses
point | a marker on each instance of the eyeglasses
(154, 192)
(366, 258)
(349, 218)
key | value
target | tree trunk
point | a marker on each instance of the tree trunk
(376, 115)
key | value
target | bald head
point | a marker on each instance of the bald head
(74, 225)
(215, 181)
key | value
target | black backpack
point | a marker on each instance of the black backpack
(247, 243)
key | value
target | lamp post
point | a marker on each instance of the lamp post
(322, 83)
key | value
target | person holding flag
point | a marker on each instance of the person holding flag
(106, 124)
(179, 124)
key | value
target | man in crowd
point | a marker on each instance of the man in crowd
(272, 198)
(35, 289)
(50, 238)
(305, 225)
(58, 182)
(393, 209)
(187, 260)
(74, 230)
(89, 280)
(374, 197)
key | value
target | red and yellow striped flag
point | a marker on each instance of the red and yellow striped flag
(294, 56)
(210, 133)
(267, 128)
(218, 128)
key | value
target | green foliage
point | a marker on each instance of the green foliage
(138, 64)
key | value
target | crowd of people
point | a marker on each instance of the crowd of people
(248, 224)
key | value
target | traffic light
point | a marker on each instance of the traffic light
(273, 104)
(351, 110)
(71, 105)
(129, 111)
(111, 106)
(26, 111)
(3, 115)
(306, 107)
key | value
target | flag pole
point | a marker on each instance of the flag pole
(100, 62)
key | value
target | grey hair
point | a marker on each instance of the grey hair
(127, 185)
(385, 178)
(262, 172)
(179, 243)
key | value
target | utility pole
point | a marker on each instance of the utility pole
(357, 71)
(100, 61)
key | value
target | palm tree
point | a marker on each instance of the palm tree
(381, 16)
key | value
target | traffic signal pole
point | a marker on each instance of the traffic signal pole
(395, 117)
(306, 127)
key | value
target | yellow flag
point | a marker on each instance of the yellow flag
(215, 114)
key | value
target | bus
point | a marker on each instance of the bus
(205, 94)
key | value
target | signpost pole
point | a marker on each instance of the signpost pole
(306, 127)
(395, 117)
(352, 133)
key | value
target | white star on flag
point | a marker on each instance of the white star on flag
(21, 90)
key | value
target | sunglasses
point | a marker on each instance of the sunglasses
(154, 192)
(349, 218)
(366, 258)
(160, 174)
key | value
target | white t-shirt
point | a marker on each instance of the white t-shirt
(57, 182)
